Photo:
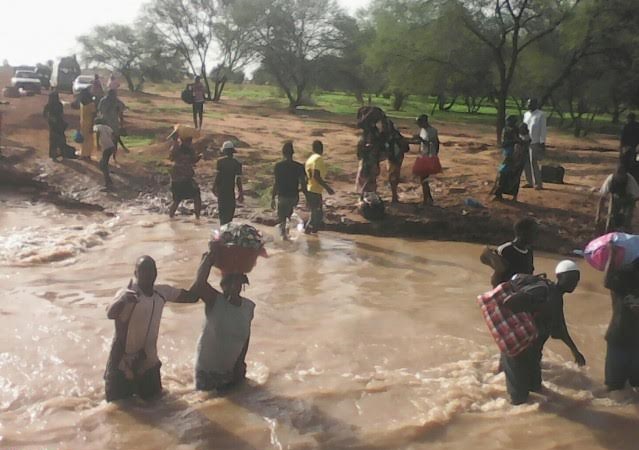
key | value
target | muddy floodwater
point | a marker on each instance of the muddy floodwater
(357, 342)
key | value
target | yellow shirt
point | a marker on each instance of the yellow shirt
(315, 162)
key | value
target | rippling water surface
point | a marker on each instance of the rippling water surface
(357, 342)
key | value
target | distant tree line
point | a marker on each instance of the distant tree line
(580, 58)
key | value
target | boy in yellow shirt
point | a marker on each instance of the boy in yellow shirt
(316, 171)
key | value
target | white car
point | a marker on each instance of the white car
(82, 82)
(27, 81)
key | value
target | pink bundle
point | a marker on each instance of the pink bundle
(597, 251)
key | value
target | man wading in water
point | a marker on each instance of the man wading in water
(515, 256)
(523, 372)
(133, 367)
(229, 176)
(290, 179)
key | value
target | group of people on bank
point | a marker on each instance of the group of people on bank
(101, 125)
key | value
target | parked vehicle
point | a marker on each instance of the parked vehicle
(27, 81)
(65, 71)
(82, 82)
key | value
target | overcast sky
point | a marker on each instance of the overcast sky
(37, 30)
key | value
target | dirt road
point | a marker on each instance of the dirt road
(468, 154)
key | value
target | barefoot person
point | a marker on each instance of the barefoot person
(621, 191)
(222, 346)
(523, 372)
(54, 113)
(87, 116)
(428, 139)
(111, 112)
(622, 337)
(397, 148)
(228, 178)
(535, 119)
(199, 91)
(183, 184)
(316, 173)
(133, 367)
(290, 179)
(507, 181)
(105, 137)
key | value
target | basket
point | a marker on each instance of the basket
(235, 259)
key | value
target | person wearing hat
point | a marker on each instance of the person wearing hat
(183, 184)
(289, 180)
(622, 336)
(428, 140)
(228, 178)
(523, 372)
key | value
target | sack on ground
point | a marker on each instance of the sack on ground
(187, 96)
(372, 206)
(237, 248)
(10, 92)
(513, 333)
(427, 165)
(597, 253)
(68, 152)
(553, 174)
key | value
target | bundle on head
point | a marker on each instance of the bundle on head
(237, 248)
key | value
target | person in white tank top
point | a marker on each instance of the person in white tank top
(223, 344)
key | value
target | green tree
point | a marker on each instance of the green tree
(291, 37)
(116, 47)
(188, 26)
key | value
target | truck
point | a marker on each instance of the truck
(65, 71)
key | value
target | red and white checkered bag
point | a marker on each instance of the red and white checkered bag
(513, 333)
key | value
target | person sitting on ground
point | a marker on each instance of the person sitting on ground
(199, 92)
(523, 372)
(223, 344)
(428, 139)
(506, 175)
(54, 113)
(105, 138)
(290, 179)
(316, 173)
(515, 256)
(183, 184)
(622, 192)
(622, 337)
(228, 178)
(133, 367)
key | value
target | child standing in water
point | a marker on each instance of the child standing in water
(222, 347)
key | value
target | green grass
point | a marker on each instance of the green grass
(343, 103)
(138, 140)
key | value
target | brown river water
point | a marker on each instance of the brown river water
(357, 342)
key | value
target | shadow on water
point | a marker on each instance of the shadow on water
(171, 415)
(300, 414)
(612, 431)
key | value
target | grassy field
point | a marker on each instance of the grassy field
(342, 103)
